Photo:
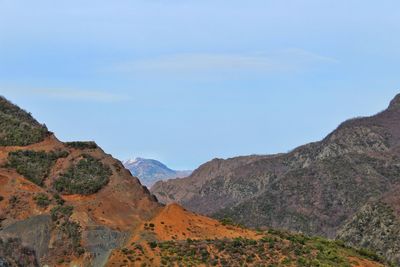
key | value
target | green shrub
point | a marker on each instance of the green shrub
(86, 177)
(227, 221)
(18, 127)
(369, 254)
(13, 200)
(35, 166)
(153, 244)
(297, 238)
(42, 200)
(58, 199)
(59, 212)
(82, 145)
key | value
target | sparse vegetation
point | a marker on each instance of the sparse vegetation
(82, 145)
(1, 198)
(228, 221)
(369, 254)
(33, 165)
(73, 231)
(58, 199)
(18, 127)
(42, 200)
(287, 249)
(275, 248)
(86, 177)
(61, 212)
(13, 200)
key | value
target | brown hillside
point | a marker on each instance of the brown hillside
(117, 208)
(177, 237)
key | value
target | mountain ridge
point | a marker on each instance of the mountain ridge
(316, 188)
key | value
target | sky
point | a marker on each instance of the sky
(188, 81)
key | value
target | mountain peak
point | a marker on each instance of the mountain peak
(131, 161)
(149, 171)
(395, 103)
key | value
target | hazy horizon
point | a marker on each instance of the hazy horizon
(185, 82)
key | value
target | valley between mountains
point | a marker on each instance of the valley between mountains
(71, 204)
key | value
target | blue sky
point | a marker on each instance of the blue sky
(187, 81)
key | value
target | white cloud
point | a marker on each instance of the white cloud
(284, 60)
(66, 94)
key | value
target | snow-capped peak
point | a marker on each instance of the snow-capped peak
(131, 161)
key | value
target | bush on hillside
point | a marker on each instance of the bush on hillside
(42, 200)
(290, 249)
(82, 145)
(58, 199)
(35, 166)
(13, 200)
(61, 212)
(18, 127)
(86, 177)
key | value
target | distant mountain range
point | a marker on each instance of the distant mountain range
(345, 186)
(150, 171)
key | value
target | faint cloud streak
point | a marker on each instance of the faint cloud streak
(280, 61)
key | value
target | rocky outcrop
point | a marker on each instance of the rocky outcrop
(14, 254)
(376, 226)
(34, 232)
(100, 241)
